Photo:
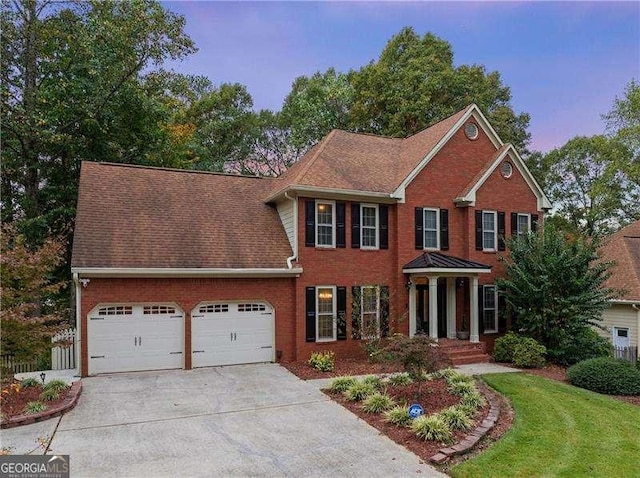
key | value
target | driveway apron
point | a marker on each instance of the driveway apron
(247, 420)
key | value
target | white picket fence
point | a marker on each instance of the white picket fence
(64, 358)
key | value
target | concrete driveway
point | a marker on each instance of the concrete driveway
(247, 420)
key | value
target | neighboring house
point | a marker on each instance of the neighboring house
(364, 235)
(622, 319)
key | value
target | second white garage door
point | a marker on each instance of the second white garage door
(228, 333)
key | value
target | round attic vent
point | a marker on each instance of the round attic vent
(506, 169)
(471, 130)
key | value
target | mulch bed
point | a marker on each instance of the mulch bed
(13, 403)
(345, 366)
(434, 399)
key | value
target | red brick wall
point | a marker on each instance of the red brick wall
(187, 293)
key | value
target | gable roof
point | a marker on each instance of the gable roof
(623, 248)
(363, 164)
(468, 194)
(132, 217)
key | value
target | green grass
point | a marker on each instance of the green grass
(559, 430)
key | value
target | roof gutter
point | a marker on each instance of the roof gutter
(318, 192)
(183, 272)
(295, 230)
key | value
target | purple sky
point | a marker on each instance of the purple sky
(565, 62)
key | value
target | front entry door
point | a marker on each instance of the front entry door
(422, 319)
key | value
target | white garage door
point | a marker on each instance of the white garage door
(126, 338)
(227, 333)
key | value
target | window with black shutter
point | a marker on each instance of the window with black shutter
(444, 229)
(501, 230)
(310, 318)
(534, 222)
(384, 311)
(355, 312)
(419, 236)
(481, 309)
(341, 305)
(384, 226)
(478, 230)
(341, 224)
(514, 224)
(310, 223)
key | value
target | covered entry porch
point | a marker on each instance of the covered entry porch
(443, 296)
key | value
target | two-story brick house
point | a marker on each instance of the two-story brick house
(363, 235)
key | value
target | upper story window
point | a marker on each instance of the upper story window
(489, 230)
(432, 228)
(325, 224)
(369, 226)
(521, 223)
(524, 223)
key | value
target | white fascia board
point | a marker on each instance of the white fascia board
(543, 202)
(482, 122)
(624, 302)
(445, 270)
(183, 272)
(333, 193)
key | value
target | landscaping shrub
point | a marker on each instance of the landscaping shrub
(432, 427)
(473, 400)
(35, 407)
(29, 382)
(461, 388)
(606, 375)
(359, 391)
(377, 403)
(340, 384)
(374, 381)
(400, 379)
(399, 416)
(528, 353)
(57, 385)
(324, 361)
(581, 345)
(503, 348)
(457, 417)
(49, 394)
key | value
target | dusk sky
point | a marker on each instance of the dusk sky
(565, 62)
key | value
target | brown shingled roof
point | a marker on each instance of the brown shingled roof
(363, 162)
(137, 217)
(623, 247)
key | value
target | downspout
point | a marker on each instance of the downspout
(635, 306)
(295, 231)
(78, 348)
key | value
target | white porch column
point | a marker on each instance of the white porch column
(412, 309)
(474, 336)
(433, 307)
(451, 307)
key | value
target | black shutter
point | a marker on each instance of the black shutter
(534, 222)
(311, 314)
(384, 311)
(501, 231)
(514, 224)
(341, 218)
(341, 303)
(419, 216)
(384, 226)
(310, 223)
(355, 312)
(502, 312)
(355, 225)
(444, 229)
(478, 230)
(481, 309)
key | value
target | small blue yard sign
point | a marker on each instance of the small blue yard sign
(415, 411)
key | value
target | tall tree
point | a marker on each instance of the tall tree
(588, 188)
(623, 123)
(71, 91)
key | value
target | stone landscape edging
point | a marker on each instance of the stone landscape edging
(476, 434)
(69, 402)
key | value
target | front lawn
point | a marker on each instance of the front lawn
(559, 430)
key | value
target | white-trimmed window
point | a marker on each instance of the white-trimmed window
(490, 308)
(431, 228)
(524, 223)
(326, 324)
(369, 222)
(325, 223)
(489, 230)
(370, 310)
